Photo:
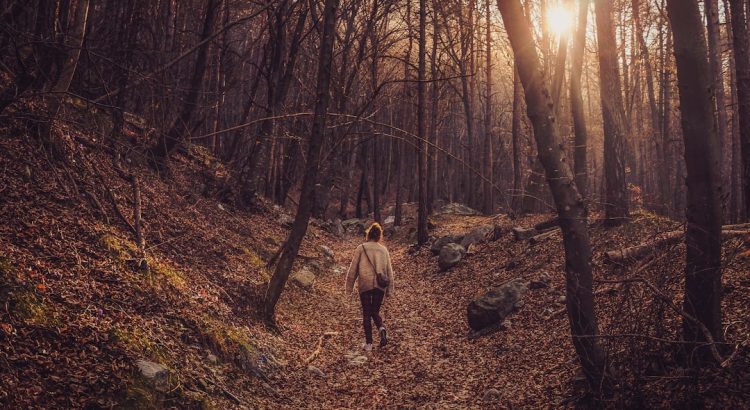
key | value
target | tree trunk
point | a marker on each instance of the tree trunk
(516, 123)
(616, 200)
(317, 136)
(570, 207)
(742, 68)
(703, 237)
(489, 198)
(182, 125)
(422, 234)
(717, 74)
(576, 100)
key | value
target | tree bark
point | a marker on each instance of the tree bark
(717, 74)
(516, 122)
(616, 195)
(703, 237)
(570, 207)
(742, 68)
(317, 136)
(576, 100)
(489, 198)
(422, 233)
(182, 125)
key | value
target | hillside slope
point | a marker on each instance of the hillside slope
(78, 314)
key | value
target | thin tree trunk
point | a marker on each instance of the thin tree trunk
(489, 199)
(570, 207)
(742, 68)
(518, 197)
(722, 122)
(422, 233)
(317, 137)
(182, 124)
(703, 237)
(576, 100)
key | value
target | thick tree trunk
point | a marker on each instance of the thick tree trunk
(703, 237)
(616, 200)
(576, 100)
(742, 68)
(570, 207)
(317, 136)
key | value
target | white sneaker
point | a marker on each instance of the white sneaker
(367, 347)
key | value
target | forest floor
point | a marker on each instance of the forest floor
(77, 314)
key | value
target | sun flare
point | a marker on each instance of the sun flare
(559, 19)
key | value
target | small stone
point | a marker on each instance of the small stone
(286, 220)
(316, 371)
(506, 324)
(358, 360)
(304, 278)
(211, 358)
(492, 394)
(327, 252)
(450, 255)
(154, 373)
(561, 299)
(541, 282)
(518, 305)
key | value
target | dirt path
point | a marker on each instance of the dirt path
(429, 360)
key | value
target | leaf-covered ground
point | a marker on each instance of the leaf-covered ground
(76, 313)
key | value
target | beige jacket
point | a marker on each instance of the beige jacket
(361, 270)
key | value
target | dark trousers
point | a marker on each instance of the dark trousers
(371, 301)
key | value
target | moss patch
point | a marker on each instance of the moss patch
(137, 341)
(6, 268)
(122, 249)
(166, 271)
(252, 257)
(32, 309)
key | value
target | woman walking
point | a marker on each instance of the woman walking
(371, 269)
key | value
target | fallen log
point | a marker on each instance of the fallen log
(522, 234)
(542, 236)
(545, 225)
(638, 252)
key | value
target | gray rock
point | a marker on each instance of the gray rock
(541, 282)
(286, 220)
(389, 220)
(211, 358)
(506, 324)
(450, 255)
(562, 299)
(154, 373)
(327, 252)
(458, 209)
(492, 307)
(438, 244)
(492, 394)
(481, 234)
(305, 278)
(354, 225)
(317, 372)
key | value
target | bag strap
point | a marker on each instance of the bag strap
(368, 259)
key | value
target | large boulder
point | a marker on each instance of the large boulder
(480, 234)
(450, 255)
(334, 227)
(458, 209)
(492, 307)
(438, 244)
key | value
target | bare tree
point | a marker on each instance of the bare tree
(703, 238)
(315, 145)
(570, 207)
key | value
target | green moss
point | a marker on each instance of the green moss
(252, 257)
(140, 396)
(121, 248)
(6, 268)
(136, 340)
(32, 309)
(168, 272)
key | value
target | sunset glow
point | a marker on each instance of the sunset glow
(559, 19)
